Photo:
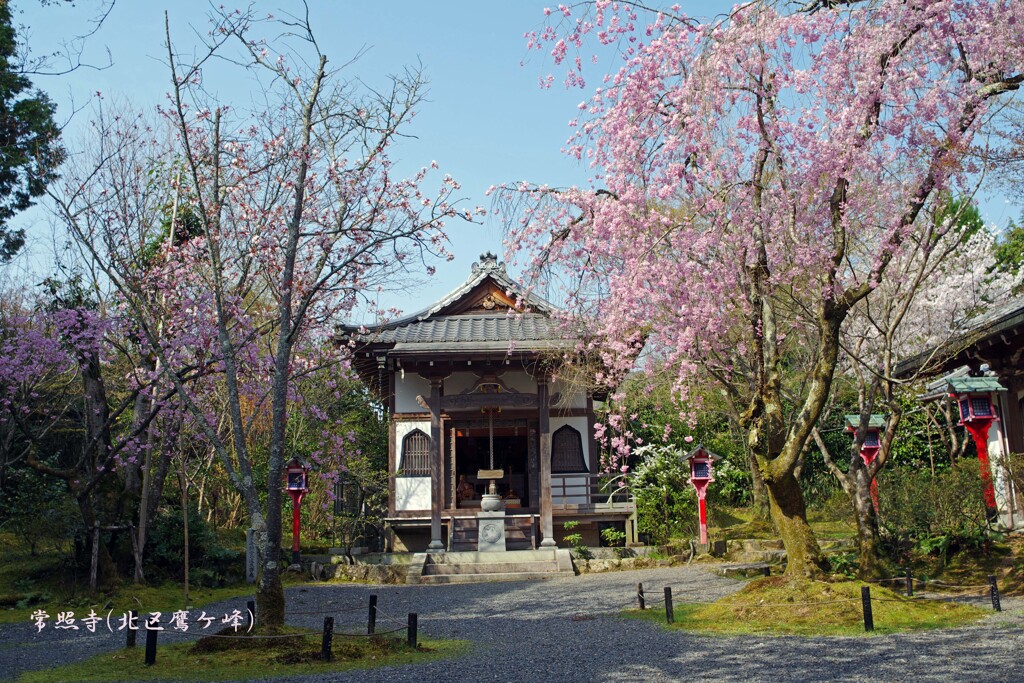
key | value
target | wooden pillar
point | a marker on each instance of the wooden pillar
(453, 483)
(544, 425)
(436, 545)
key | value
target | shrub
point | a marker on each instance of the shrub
(37, 509)
(210, 564)
(938, 515)
(666, 505)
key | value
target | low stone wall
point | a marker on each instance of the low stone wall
(384, 568)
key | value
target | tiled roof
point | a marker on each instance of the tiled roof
(480, 327)
(974, 384)
(436, 330)
(875, 421)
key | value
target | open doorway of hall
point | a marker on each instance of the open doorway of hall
(502, 447)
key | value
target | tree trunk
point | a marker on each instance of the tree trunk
(269, 589)
(106, 568)
(760, 491)
(789, 513)
(867, 526)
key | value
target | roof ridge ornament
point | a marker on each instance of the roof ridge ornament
(488, 263)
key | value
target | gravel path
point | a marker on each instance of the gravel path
(566, 629)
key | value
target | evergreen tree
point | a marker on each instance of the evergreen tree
(30, 147)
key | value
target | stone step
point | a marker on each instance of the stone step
(510, 544)
(431, 569)
(478, 558)
(480, 578)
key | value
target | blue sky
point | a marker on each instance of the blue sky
(487, 120)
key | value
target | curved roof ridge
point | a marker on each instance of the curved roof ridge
(488, 267)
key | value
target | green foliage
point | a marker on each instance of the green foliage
(654, 414)
(37, 510)
(962, 211)
(732, 485)
(1009, 251)
(575, 541)
(844, 563)
(666, 504)
(938, 515)
(31, 139)
(210, 564)
(615, 538)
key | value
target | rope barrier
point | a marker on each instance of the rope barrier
(955, 585)
(389, 617)
(243, 636)
(371, 635)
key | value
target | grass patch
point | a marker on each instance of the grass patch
(216, 659)
(166, 597)
(781, 606)
(48, 581)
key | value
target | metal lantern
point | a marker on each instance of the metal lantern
(296, 483)
(973, 396)
(702, 472)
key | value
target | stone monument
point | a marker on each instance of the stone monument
(491, 518)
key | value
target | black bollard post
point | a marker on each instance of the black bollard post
(670, 616)
(640, 596)
(151, 647)
(412, 629)
(371, 623)
(865, 598)
(994, 589)
(910, 584)
(130, 637)
(328, 639)
(251, 605)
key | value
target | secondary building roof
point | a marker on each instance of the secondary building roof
(996, 338)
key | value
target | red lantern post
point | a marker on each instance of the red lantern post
(974, 398)
(701, 462)
(296, 483)
(872, 444)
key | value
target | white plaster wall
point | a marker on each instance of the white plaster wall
(575, 493)
(412, 493)
(403, 427)
(576, 400)
(519, 380)
(1002, 486)
(458, 382)
(407, 388)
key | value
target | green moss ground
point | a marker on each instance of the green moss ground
(780, 606)
(247, 659)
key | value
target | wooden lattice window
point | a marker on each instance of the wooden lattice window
(567, 452)
(415, 455)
